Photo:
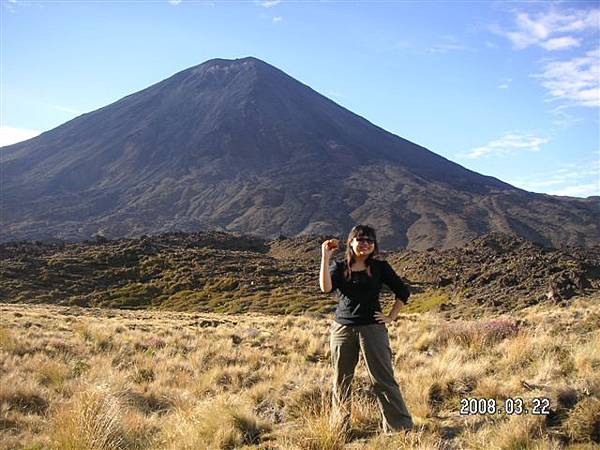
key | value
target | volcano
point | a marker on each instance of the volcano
(240, 146)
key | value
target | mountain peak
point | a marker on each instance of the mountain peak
(226, 65)
(222, 61)
(219, 73)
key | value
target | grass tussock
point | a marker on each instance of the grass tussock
(23, 395)
(52, 373)
(76, 378)
(91, 420)
(476, 334)
(317, 427)
(583, 424)
(223, 423)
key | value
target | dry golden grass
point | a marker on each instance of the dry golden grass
(84, 379)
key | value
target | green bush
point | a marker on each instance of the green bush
(134, 295)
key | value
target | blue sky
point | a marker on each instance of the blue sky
(508, 89)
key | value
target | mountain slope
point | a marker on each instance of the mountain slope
(238, 145)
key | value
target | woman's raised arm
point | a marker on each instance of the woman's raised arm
(327, 249)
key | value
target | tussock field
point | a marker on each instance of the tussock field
(75, 378)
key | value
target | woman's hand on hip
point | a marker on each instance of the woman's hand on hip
(382, 318)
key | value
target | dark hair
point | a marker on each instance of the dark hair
(360, 231)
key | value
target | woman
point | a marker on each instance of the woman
(360, 325)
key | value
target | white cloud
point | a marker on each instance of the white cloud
(277, 19)
(10, 135)
(445, 48)
(510, 143)
(561, 43)
(449, 44)
(541, 29)
(505, 83)
(66, 109)
(563, 118)
(270, 3)
(580, 190)
(572, 80)
(576, 79)
(174, 2)
(580, 179)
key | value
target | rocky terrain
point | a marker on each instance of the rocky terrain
(232, 273)
(498, 272)
(240, 146)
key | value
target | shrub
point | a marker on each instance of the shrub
(223, 284)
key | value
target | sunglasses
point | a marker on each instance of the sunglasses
(365, 240)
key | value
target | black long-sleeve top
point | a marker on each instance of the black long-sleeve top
(358, 298)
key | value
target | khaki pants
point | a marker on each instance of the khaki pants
(372, 341)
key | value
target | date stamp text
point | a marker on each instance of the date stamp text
(510, 406)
